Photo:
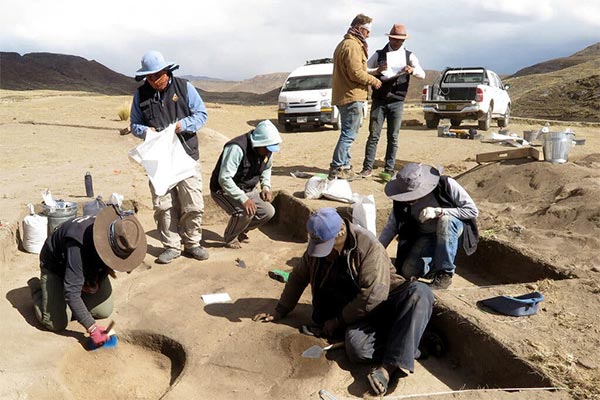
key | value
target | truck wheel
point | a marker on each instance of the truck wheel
(455, 122)
(288, 127)
(484, 124)
(432, 123)
(503, 122)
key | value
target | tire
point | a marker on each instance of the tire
(432, 123)
(455, 122)
(503, 122)
(484, 124)
(288, 127)
(336, 124)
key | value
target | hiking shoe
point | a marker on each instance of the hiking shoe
(347, 174)
(197, 252)
(365, 173)
(168, 255)
(441, 280)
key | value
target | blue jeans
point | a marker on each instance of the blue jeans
(433, 253)
(380, 110)
(350, 116)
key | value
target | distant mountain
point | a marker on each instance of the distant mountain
(588, 54)
(258, 84)
(192, 78)
(566, 88)
(39, 71)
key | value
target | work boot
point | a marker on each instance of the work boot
(441, 280)
(197, 252)
(168, 255)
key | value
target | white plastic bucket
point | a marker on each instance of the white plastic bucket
(557, 146)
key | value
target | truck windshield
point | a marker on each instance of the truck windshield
(312, 82)
(464, 77)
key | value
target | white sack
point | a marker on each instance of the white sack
(364, 212)
(164, 159)
(339, 189)
(315, 187)
(35, 231)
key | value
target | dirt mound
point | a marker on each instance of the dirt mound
(544, 208)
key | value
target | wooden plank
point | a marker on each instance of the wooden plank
(510, 154)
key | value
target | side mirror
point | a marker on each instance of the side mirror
(507, 86)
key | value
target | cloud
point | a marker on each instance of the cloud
(234, 39)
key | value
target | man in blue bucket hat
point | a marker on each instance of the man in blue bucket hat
(241, 181)
(358, 297)
(160, 101)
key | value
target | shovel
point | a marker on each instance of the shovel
(317, 351)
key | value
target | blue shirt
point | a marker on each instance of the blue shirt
(188, 124)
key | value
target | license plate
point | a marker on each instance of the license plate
(301, 120)
(450, 106)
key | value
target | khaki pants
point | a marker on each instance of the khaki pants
(52, 310)
(178, 213)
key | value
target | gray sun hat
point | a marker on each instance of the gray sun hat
(152, 62)
(413, 182)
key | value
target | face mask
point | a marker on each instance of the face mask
(159, 83)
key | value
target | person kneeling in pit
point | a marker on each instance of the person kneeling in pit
(75, 263)
(245, 163)
(357, 295)
(431, 214)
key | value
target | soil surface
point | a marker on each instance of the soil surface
(545, 214)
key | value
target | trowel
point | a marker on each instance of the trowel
(317, 351)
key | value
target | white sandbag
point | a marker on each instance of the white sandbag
(35, 231)
(338, 189)
(163, 157)
(314, 187)
(364, 212)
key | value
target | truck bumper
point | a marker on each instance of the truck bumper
(313, 118)
(469, 112)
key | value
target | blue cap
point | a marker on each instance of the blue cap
(323, 226)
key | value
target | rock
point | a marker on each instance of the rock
(596, 269)
(587, 363)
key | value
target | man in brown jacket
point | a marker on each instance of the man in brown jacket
(357, 295)
(350, 88)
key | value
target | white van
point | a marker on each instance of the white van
(305, 97)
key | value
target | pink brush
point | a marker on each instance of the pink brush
(111, 342)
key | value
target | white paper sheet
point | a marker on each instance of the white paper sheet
(215, 298)
(396, 61)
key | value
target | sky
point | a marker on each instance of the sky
(236, 40)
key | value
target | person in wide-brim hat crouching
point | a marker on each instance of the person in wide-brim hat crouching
(75, 263)
(431, 215)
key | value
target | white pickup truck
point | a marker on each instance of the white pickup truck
(473, 93)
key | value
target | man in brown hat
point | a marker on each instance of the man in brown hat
(350, 84)
(75, 263)
(431, 214)
(393, 65)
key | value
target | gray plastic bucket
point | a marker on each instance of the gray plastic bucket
(557, 146)
(62, 212)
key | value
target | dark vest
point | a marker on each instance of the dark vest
(393, 89)
(408, 229)
(162, 109)
(249, 170)
(76, 232)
